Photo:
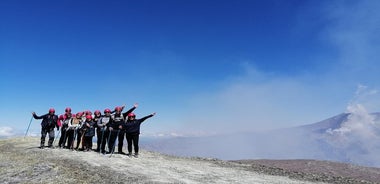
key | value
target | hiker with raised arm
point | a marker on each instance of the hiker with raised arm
(114, 127)
(120, 118)
(49, 122)
(132, 129)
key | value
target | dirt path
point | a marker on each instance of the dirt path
(22, 162)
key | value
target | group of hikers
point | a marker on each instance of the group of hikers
(80, 128)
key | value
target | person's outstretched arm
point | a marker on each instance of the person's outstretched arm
(130, 110)
(37, 117)
(146, 117)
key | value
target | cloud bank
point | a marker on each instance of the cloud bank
(6, 132)
(357, 140)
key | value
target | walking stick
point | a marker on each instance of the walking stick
(31, 119)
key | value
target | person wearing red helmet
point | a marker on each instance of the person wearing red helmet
(115, 128)
(64, 130)
(49, 121)
(97, 116)
(132, 129)
(119, 119)
(102, 130)
(61, 123)
(80, 130)
(84, 114)
(72, 130)
(89, 132)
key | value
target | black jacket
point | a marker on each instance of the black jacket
(133, 126)
(48, 121)
(89, 126)
(119, 119)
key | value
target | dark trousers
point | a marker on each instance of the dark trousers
(133, 138)
(88, 142)
(112, 140)
(104, 138)
(44, 132)
(99, 137)
(70, 134)
(121, 140)
(62, 140)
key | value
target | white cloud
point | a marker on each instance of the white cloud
(6, 131)
(256, 101)
(358, 139)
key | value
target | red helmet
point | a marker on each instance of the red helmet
(79, 114)
(88, 112)
(131, 114)
(118, 108)
(51, 110)
(97, 112)
(88, 117)
(107, 111)
(68, 109)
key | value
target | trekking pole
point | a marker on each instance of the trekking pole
(113, 149)
(30, 122)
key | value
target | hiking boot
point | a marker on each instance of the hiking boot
(136, 155)
(129, 154)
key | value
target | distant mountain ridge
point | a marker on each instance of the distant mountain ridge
(333, 123)
(346, 137)
(330, 123)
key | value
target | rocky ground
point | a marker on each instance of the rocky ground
(21, 161)
(314, 170)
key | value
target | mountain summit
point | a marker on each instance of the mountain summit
(22, 162)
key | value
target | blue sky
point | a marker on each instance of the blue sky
(203, 66)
